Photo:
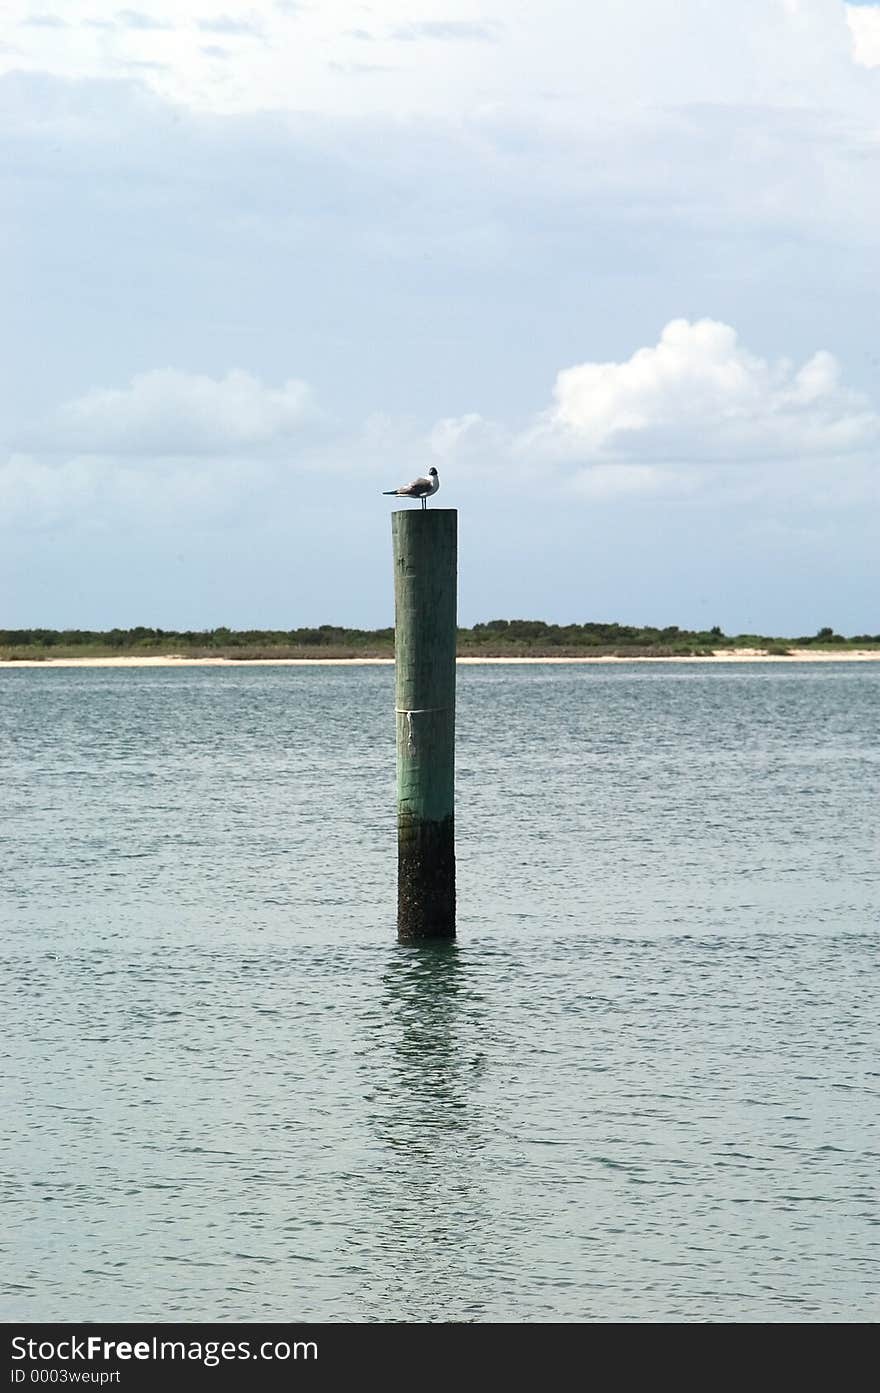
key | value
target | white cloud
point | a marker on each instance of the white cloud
(864, 23)
(694, 416)
(105, 493)
(226, 24)
(468, 436)
(467, 57)
(166, 412)
(699, 396)
(136, 19)
(608, 481)
(34, 495)
(446, 31)
(44, 21)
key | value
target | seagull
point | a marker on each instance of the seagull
(419, 488)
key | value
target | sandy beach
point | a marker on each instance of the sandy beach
(740, 655)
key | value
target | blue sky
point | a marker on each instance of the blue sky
(612, 270)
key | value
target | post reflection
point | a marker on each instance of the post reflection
(427, 1120)
(424, 1098)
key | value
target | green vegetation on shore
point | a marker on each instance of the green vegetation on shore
(500, 638)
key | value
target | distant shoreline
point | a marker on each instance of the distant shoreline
(729, 655)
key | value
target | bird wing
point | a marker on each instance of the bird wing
(415, 489)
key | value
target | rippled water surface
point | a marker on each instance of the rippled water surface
(644, 1085)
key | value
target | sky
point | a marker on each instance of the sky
(612, 269)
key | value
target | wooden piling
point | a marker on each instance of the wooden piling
(425, 570)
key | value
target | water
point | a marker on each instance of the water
(643, 1085)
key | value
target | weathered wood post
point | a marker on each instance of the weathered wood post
(425, 568)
